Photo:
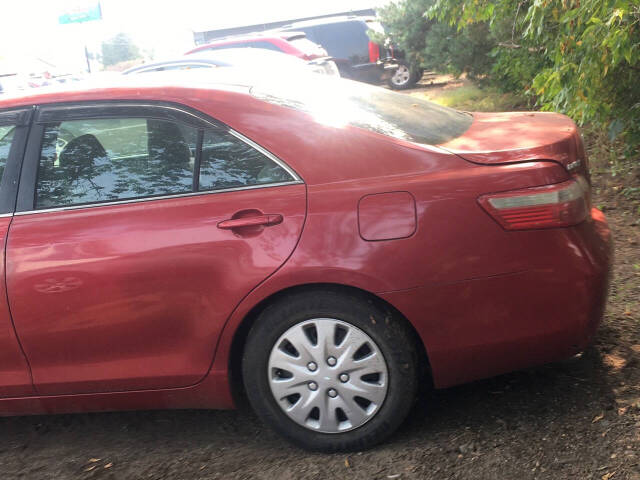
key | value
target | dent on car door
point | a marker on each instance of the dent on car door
(15, 379)
(144, 235)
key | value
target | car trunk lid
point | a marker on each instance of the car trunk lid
(513, 137)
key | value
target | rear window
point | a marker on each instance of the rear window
(340, 102)
(344, 40)
(375, 26)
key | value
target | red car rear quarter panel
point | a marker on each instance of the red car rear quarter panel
(455, 241)
(482, 327)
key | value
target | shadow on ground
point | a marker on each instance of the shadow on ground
(531, 424)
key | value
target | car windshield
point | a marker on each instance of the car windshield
(340, 102)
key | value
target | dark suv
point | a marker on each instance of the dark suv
(347, 41)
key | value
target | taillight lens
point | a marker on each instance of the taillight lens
(559, 205)
(374, 52)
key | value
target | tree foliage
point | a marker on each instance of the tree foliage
(437, 45)
(580, 57)
(119, 49)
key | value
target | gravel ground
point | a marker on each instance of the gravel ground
(577, 419)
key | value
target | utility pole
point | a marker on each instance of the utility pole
(86, 55)
(82, 11)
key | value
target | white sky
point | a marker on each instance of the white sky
(29, 29)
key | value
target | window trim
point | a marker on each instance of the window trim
(20, 117)
(197, 161)
(118, 109)
(152, 198)
(181, 63)
(21, 120)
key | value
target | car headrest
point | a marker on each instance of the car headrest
(167, 144)
(82, 151)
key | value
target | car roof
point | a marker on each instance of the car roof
(236, 56)
(327, 21)
(314, 142)
(178, 61)
(258, 36)
(228, 57)
(117, 86)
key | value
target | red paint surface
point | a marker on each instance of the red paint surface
(508, 137)
(144, 289)
(15, 379)
(482, 327)
(161, 291)
(279, 42)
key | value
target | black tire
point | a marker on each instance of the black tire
(390, 334)
(406, 76)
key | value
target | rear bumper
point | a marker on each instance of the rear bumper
(378, 72)
(482, 327)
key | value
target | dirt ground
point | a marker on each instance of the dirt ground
(577, 419)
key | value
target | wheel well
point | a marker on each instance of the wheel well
(240, 337)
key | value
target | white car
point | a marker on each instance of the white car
(245, 58)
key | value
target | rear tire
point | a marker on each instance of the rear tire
(342, 322)
(406, 76)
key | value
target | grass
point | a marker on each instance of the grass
(470, 97)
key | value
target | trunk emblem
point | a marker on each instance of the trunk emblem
(574, 165)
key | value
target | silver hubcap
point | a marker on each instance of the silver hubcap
(401, 75)
(328, 375)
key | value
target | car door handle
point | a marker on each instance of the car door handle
(263, 220)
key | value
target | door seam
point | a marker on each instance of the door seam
(6, 296)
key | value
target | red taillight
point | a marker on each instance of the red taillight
(559, 205)
(374, 52)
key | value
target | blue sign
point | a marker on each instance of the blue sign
(81, 13)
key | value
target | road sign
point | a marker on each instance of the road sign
(80, 12)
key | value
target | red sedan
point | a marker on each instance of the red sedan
(312, 245)
(291, 43)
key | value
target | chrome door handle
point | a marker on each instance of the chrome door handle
(263, 220)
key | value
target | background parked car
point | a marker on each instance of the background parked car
(347, 40)
(291, 43)
(247, 58)
(406, 75)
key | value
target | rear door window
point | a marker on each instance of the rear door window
(228, 162)
(90, 161)
(112, 159)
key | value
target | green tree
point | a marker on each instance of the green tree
(437, 45)
(119, 49)
(580, 57)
